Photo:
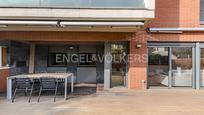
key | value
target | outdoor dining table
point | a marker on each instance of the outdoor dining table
(64, 76)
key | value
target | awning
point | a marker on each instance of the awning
(70, 23)
(67, 23)
(9, 22)
(173, 30)
(59, 25)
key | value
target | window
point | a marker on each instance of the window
(87, 59)
(202, 11)
(56, 56)
(158, 56)
(62, 55)
(56, 60)
(62, 59)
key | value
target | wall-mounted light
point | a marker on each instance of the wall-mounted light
(71, 47)
(138, 45)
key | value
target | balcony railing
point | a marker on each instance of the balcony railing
(74, 3)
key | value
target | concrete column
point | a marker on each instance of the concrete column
(32, 58)
(197, 66)
(107, 65)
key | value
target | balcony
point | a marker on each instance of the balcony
(77, 9)
(75, 15)
(74, 3)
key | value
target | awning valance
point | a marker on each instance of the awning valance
(70, 23)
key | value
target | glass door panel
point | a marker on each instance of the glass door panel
(202, 67)
(119, 65)
(182, 69)
(158, 67)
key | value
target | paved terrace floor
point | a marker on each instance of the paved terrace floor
(117, 101)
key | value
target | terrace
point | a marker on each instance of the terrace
(118, 100)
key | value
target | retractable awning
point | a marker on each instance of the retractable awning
(59, 25)
(68, 23)
(173, 30)
(9, 22)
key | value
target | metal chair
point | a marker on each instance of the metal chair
(23, 84)
(48, 84)
(61, 82)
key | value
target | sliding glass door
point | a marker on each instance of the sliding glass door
(182, 66)
(158, 67)
(173, 65)
(202, 67)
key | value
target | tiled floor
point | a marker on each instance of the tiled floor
(117, 101)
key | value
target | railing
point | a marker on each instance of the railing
(74, 3)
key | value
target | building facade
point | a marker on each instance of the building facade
(176, 44)
(160, 41)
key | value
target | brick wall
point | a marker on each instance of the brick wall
(137, 73)
(176, 13)
(170, 14)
